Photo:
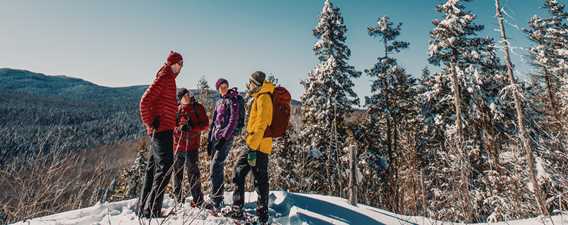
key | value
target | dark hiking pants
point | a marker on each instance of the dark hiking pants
(189, 161)
(260, 173)
(158, 174)
(217, 170)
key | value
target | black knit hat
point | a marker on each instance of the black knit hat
(181, 93)
(257, 78)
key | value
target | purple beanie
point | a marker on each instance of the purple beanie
(220, 82)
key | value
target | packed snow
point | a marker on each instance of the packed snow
(285, 208)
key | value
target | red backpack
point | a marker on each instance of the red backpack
(281, 108)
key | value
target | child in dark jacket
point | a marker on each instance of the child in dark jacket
(191, 121)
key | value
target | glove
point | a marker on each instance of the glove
(156, 123)
(186, 127)
(251, 158)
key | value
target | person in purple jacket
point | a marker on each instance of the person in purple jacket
(220, 140)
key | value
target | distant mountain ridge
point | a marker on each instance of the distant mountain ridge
(15, 80)
(18, 80)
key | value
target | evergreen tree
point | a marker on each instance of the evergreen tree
(129, 183)
(392, 106)
(203, 87)
(506, 209)
(433, 150)
(465, 59)
(327, 100)
(136, 175)
(550, 56)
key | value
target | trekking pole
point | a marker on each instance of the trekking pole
(140, 203)
(186, 144)
(173, 166)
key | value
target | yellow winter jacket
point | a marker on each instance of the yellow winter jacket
(260, 117)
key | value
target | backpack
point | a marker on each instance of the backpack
(242, 114)
(281, 108)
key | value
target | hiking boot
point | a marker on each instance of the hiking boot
(195, 204)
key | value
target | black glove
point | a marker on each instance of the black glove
(186, 127)
(156, 123)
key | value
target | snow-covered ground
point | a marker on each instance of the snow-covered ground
(285, 208)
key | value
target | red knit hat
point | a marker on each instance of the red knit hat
(174, 58)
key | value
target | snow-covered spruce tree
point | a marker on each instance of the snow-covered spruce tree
(550, 38)
(437, 174)
(500, 186)
(519, 119)
(467, 61)
(392, 106)
(203, 87)
(136, 172)
(484, 139)
(549, 54)
(327, 100)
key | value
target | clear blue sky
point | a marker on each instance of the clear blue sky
(122, 43)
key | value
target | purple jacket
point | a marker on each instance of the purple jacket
(225, 116)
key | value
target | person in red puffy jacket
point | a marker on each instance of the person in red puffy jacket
(191, 121)
(158, 108)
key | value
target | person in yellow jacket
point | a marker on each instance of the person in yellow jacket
(255, 157)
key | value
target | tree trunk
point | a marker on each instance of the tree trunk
(353, 176)
(523, 134)
(464, 170)
(391, 169)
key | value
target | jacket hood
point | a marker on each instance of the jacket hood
(166, 70)
(267, 87)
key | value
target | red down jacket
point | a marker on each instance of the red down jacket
(185, 141)
(160, 101)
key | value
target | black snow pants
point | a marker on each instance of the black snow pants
(260, 173)
(158, 174)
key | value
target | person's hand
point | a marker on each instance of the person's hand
(156, 123)
(251, 158)
(185, 128)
